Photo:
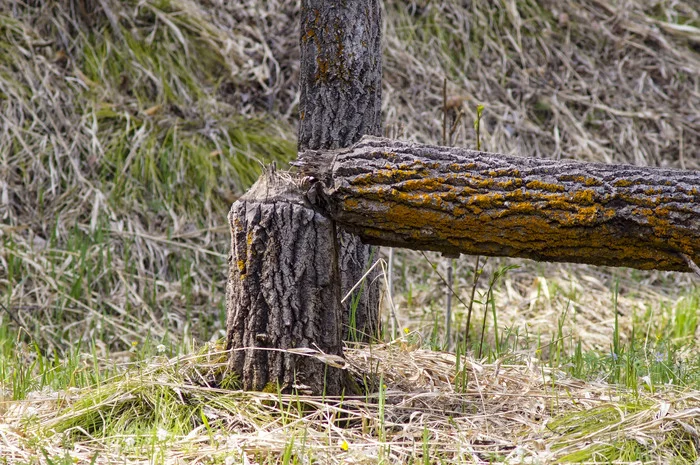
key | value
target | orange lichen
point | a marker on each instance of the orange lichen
(623, 183)
(456, 208)
(322, 68)
(545, 186)
(310, 34)
(584, 197)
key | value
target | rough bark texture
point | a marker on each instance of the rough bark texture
(283, 291)
(456, 200)
(341, 73)
(340, 101)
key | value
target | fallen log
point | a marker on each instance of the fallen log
(455, 200)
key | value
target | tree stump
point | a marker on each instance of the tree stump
(283, 292)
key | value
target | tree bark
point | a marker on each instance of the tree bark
(289, 264)
(456, 200)
(283, 291)
(340, 101)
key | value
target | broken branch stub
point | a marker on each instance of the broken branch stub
(455, 200)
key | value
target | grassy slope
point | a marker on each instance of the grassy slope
(126, 134)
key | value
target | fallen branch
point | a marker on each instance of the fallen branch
(456, 200)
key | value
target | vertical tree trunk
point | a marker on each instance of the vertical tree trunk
(289, 266)
(341, 98)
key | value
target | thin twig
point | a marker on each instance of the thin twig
(390, 290)
(691, 264)
(471, 299)
(444, 111)
(443, 279)
(14, 317)
(448, 313)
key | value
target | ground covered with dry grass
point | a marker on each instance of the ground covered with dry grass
(128, 128)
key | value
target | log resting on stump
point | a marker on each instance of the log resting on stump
(456, 200)
(283, 291)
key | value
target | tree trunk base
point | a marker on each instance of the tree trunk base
(283, 292)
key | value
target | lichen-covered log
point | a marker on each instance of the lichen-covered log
(283, 291)
(340, 101)
(457, 200)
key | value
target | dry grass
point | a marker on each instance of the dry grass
(128, 128)
(521, 413)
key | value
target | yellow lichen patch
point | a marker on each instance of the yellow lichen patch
(482, 183)
(249, 238)
(585, 215)
(384, 176)
(350, 204)
(514, 196)
(545, 186)
(559, 202)
(658, 219)
(523, 207)
(653, 191)
(584, 197)
(509, 184)
(503, 173)
(487, 200)
(425, 185)
(590, 182)
(623, 183)
(410, 217)
(241, 265)
(414, 199)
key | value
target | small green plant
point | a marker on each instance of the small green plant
(477, 125)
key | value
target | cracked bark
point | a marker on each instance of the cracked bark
(340, 101)
(282, 291)
(456, 200)
(289, 265)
